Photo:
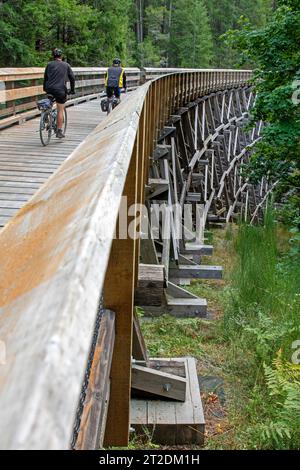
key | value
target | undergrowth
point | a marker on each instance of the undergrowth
(262, 324)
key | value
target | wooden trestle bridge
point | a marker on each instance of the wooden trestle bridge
(72, 353)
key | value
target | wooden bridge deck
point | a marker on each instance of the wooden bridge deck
(25, 164)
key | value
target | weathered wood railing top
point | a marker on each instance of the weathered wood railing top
(56, 253)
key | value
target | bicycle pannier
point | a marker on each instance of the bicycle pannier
(44, 104)
(104, 105)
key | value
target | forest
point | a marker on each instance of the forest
(157, 33)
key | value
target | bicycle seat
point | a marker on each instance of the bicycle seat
(51, 97)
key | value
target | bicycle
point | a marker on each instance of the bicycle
(108, 104)
(48, 121)
(112, 103)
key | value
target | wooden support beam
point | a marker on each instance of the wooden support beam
(148, 253)
(139, 350)
(119, 297)
(157, 186)
(196, 272)
(158, 383)
(196, 249)
(150, 288)
(184, 307)
(166, 132)
(162, 151)
(177, 292)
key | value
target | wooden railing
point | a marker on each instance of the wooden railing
(59, 254)
(21, 88)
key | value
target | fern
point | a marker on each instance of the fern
(283, 381)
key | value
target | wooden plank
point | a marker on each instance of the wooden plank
(162, 421)
(93, 420)
(196, 272)
(14, 197)
(158, 383)
(148, 253)
(187, 432)
(18, 93)
(194, 248)
(10, 204)
(139, 412)
(186, 308)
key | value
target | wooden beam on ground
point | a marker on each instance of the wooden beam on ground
(196, 249)
(158, 383)
(196, 272)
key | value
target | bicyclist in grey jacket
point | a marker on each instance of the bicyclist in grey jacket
(57, 74)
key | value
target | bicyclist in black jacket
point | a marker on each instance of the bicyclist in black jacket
(115, 79)
(57, 74)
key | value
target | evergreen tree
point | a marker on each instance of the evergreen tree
(190, 35)
(225, 15)
(140, 32)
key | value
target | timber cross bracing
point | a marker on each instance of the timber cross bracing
(58, 254)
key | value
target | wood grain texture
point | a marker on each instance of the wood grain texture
(150, 288)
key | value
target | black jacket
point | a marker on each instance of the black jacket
(57, 74)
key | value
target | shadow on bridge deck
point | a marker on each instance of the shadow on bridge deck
(25, 164)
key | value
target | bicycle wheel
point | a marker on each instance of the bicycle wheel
(65, 121)
(46, 127)
(109, 106)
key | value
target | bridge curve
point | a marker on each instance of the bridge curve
(68, 283)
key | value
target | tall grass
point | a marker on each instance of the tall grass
(261, 323)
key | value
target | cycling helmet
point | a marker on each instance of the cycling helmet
(57, 53)
(116, 62)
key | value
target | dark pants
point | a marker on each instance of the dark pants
(59, 95)
(115, 90)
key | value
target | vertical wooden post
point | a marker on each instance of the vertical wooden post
(119, 297)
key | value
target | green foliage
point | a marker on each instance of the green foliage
(190, 35)
(263, 317)
(224, 15)
(274, 52)
(89, 32)
(282, 429)
(174, 33)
